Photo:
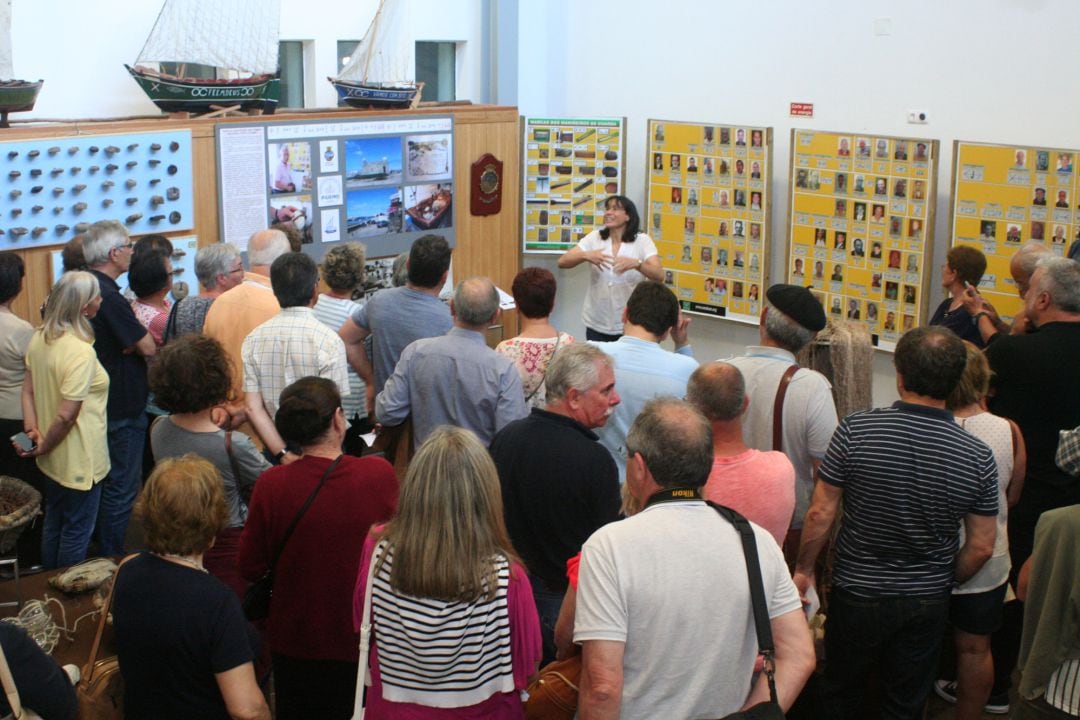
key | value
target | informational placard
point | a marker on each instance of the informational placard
(570, 166)
(382, 182)
(708, 213)
(861, 227)
(55, 188)
(1005, 196)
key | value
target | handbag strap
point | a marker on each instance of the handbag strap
(299, 515)
(363, 669)
(778, 408)
(170, 325)
(10, 690)
(106, 608)
(558, 339)
(757, 591)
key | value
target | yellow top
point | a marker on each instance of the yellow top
(68, 369)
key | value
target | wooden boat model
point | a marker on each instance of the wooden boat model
(17, 96)
(240, 45)
(382, 54)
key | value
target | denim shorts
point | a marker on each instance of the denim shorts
(978, 613)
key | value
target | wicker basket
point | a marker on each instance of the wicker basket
(22, 503)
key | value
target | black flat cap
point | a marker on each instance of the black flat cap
(798, 304)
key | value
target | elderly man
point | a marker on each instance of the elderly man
(790, 319)
(643, 369)
(1021, 267)
(219, 270)
(664, 614)
(456, 379)
(122, 346)
(240, 310)
(399, 316)
(908, 476)
(758, 485)
(291, 345)
(555, 500)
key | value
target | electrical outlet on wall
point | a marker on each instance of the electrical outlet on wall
(917, 117)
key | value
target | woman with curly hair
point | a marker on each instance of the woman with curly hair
(343, 273)
(191, 378)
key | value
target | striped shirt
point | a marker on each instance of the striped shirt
(909, 475)
(333, 312)
(437, 653)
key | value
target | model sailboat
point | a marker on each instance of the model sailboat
(239, 38)
(15, 95)
(377, 75)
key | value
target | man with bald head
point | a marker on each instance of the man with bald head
(456, 379)
(1021, 267)
(240, 310)
(758, 485)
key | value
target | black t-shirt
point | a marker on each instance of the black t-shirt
(43, 687)
(115, 329)
(559, 485)
(959, 321)
(176, 627)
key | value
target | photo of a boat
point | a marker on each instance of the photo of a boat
(430, 206)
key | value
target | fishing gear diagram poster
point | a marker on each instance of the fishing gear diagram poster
(1005, 196)
(708, 213)
(571, 166)
(861, 227)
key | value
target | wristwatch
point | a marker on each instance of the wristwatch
(280, 454)
(980, 314)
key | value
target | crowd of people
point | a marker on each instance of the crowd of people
(547, 498)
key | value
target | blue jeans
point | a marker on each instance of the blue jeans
(547, 607)
(899, 636)
(126, 440)
(69, 523)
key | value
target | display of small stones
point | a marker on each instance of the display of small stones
(126, 164)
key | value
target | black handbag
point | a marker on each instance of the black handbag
(770, 709)
(258, 595)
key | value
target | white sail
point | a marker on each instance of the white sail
(232, 34)
(385, 53)
(7, 70)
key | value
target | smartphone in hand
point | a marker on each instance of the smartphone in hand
(23, 441)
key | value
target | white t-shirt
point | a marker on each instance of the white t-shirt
(995, 432)
(609, 290)
(809, 415)
(671, 583)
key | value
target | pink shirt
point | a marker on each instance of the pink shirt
(758, 485)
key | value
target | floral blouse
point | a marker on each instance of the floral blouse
(532, 355)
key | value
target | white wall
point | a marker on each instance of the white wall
(80, 48)
(992, 70)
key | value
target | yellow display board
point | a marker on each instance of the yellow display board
(1005, 196)
(708, 213)
(571, 165)
(861, 225)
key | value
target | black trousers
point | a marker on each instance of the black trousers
(306, 689)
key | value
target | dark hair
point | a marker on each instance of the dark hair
(534, 292)
(930, 361)
(633, 220)
(967, 262)
(148, 273)
(293, 276)
(292, 233)
(676, 441)
(71, 257)
(429, 258)
(190, 374)
(152, 244)
(306, 409)
(653, 306)
(12, 270)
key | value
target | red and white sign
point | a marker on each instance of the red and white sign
(802, 109)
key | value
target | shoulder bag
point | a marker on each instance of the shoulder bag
(100, 690)
(259, 593)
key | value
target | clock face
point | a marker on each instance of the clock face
(489, 180)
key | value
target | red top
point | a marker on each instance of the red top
(311, 612)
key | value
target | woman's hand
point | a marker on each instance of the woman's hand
(623, 264)
(599, 259)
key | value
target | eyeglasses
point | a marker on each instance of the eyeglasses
(125, 246)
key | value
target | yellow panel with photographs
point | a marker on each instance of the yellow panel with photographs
(1006, 196)
(861, 214)
(707, 211)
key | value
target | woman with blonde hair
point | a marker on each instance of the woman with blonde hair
(185, 648)
(445, 575)
(66, 387)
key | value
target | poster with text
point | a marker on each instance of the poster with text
(570, 166)
(861, 227)
(1005, 196)
(708, 213)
